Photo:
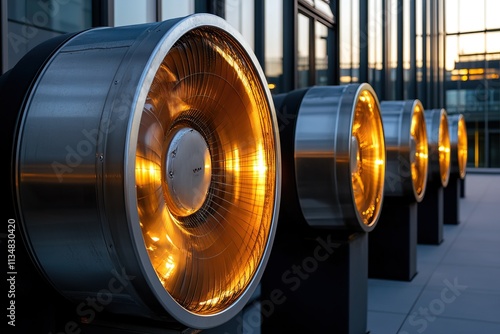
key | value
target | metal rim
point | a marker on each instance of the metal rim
(367, 187)
(419, 151)
(439, 146)
(462, 146)
(458, 145)
(227, 35)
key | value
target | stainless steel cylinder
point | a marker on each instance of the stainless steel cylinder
(407, 149)
(148, 170)
(458, 145)
(338, 155)
(439, 146)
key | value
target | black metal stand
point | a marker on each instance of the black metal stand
(451, 202)
(430, 213)
(392, 245)
(316, 282)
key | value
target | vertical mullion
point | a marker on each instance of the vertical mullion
(412, 83)
(290, 16)
(312, 51)
(259, 32)
(385, 50)
(333, 46)
(363, 40)
(400, 46)
(423, 92)
(4, 57)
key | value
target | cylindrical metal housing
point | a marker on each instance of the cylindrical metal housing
(458, 145)
(148, 166)
(338, 151)
(407, 149)
(438, 136)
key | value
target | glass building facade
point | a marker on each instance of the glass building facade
(446, 53)
(472, 77)
(28, 23)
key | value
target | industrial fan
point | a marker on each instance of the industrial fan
(150, 152)
(393, 244)
(334, 155)
(407, 149)
(458, 164)
(430, 209)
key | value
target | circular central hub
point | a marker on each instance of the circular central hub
(188, 173)
(355, 155)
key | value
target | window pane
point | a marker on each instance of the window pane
(375, 15)
(321, 50)
(392, 42)
(451, 52)
(30, 23)
(303, 55)
(451, 16)
(345, 40)
(471, 43)
(274, 44)
(240, 14)
(493, 42)
(492, 10)
(52, 15)
(471, 15)
(355, 40)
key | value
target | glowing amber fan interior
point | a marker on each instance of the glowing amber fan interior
(419, 150)
(368, 148)
(462, 147)
(206, 219)
(444, 149)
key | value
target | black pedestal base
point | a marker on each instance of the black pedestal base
(451, 202)
(392, 245)
(430, 216)
(316, 282)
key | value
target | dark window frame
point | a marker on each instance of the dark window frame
(314, 16)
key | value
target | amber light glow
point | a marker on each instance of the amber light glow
(444, 149)
(462, 147)
(367, 157)
(419, 145)
(206, 172)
